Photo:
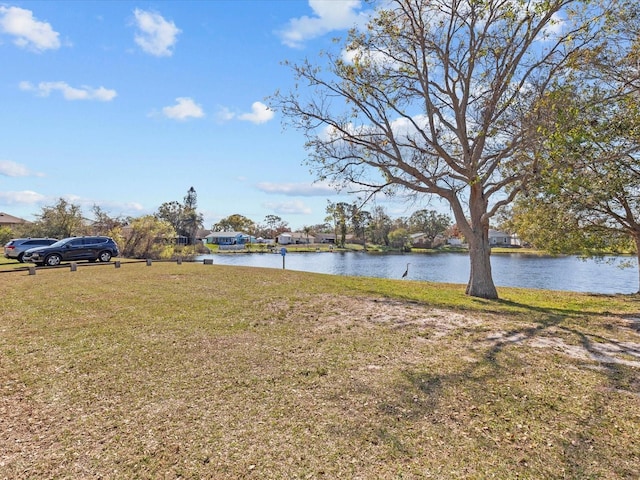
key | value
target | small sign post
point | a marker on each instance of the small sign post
(283, 252)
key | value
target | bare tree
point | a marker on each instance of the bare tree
(63, 219)
(274, 226)
(172, 213)
(438, 97)
(183, 217)
(105, 224)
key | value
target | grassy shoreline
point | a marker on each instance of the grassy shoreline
(208, 371)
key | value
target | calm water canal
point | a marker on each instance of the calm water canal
(513, 270)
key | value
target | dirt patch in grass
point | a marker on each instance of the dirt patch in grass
(435, 323)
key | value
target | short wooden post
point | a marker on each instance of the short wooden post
(148, 262)
(117, 263)
(74, 266)
(32, 270)
(179, 260)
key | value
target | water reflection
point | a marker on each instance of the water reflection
(514, 270)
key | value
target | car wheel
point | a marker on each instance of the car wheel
(53, 260)
(20, 257)
(104, 256)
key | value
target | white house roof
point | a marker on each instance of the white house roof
(295, 235)
(225, 234)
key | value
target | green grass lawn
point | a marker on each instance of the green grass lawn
(208, 371)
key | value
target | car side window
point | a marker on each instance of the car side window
(77, 242)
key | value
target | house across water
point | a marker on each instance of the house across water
(501, 239)
(228, 238)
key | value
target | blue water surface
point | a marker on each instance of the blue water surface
(510, 270)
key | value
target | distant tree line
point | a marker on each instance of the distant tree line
(348, 220)
(173, 228)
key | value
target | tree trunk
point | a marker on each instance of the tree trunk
(637, 239)
(477, 233)
(480, 278)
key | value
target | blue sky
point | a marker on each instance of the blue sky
(127, 105)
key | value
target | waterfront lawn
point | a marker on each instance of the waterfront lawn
(208, 371)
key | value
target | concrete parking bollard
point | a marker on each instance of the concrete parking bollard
(32, 270)
(148, 262)
(117, 263)
(208, 261)
(74, 266)
(179, 260)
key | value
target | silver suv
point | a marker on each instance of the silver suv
(15, 248)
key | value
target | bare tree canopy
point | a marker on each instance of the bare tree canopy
(439, 97)
(183, 217)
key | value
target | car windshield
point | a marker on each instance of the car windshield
(62, 242)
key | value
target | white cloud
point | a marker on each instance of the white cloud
(70, 93)
(184, 109)
(128, 206)
(297, 189)
(553, 29)
(328, 15)
(260, 113)
(377, 58)
(155, 35)
(24, 197)
(108, 205)
(224, 114)
(29, 197)
(13, 169)
(294, 207)
(29, 33)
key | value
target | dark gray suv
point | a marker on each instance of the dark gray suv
(72, 249)
(15, 248)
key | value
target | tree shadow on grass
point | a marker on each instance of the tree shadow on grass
(579, 438)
